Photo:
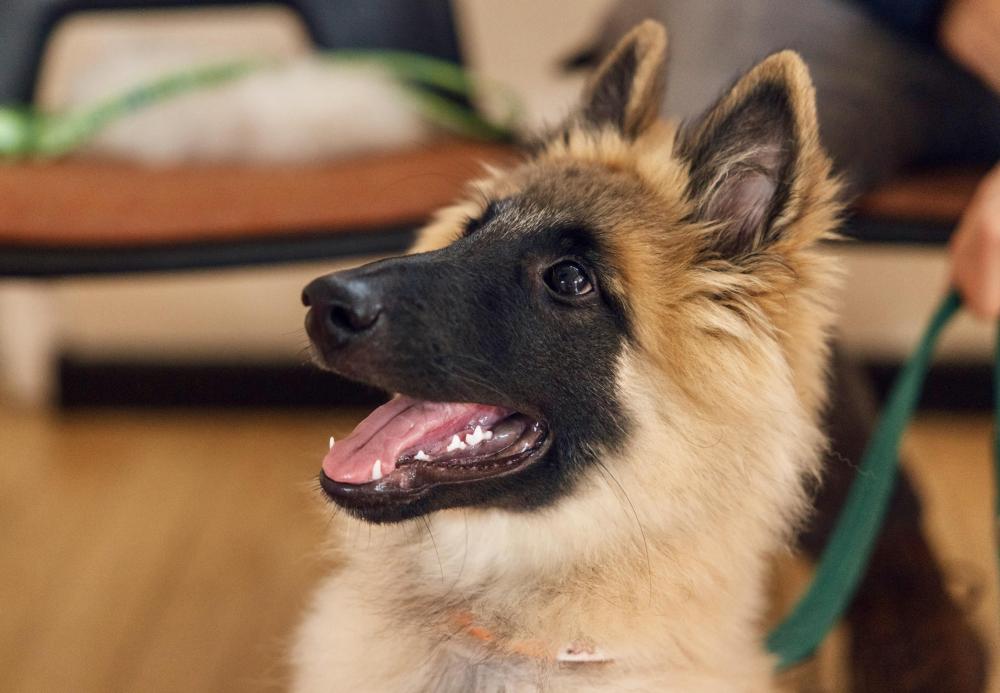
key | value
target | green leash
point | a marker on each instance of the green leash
(846, 555)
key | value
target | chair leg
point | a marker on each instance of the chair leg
(27, 344)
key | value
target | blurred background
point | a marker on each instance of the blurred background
(171, 175)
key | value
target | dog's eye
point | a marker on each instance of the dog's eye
(567, 278)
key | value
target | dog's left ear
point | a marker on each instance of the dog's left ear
(755, 159)
(626, 90)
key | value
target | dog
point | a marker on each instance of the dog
(611, 363)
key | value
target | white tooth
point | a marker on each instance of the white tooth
(488, 435)
(455, 444)
(422, 456)
(331, 442)
(476, 437)
(377, 470)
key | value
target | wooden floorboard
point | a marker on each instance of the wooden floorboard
(157, 552)
(175, 551)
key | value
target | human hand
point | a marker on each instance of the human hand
(969, 32)
(975, 250)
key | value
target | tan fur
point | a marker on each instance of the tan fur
(661, 556)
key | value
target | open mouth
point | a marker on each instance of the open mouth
(408, 446)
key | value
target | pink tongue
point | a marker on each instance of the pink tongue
(403, 425)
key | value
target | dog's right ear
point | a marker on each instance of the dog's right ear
(626, 90)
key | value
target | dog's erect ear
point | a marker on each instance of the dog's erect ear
(754, 155)
(627, 88)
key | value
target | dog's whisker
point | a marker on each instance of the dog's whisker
(475, 379)
(638, 523)
(427, 525)
(465, 555)
(331, 517)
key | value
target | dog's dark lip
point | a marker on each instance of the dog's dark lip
(366, 500)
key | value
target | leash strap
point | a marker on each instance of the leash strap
(846, 555)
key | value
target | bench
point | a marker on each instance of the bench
(78, 217)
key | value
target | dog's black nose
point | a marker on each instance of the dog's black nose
(342, 307)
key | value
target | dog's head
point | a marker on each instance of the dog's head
(623, 266)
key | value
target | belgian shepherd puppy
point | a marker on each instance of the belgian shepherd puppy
(610, 361)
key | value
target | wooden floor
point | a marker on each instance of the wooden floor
(151, 552)
(173, 552)
(951, 462)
